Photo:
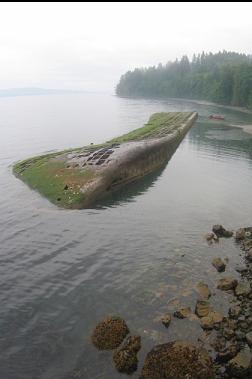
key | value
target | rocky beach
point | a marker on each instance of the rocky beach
(230, 334)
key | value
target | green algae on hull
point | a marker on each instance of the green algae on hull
(78, 177)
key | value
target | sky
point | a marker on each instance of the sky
(88, 46)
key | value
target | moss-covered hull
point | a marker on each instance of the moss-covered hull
(80, 177)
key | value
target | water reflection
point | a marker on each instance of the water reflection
(220, 140)
(130, 191)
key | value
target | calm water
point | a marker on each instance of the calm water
(138, 254)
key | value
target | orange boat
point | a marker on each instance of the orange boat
(217, 117)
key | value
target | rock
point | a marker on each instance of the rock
(249, 338)
(209, 237)
(109, 333)
(240, 234)
(203, 290)
(240, 336)
(166, 320)
(219, 264)
(240, 365)
(228, 333)
(206, 323)
(234, 311)
(249, 255)
(221, 232)
(242, 289)
(125, 358)
(183, 312)
(216, 317)
(177, 359)
(202, 308)
(226, 284)
(227, 354)
(241, 269)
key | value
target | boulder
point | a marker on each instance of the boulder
(202, 308)
(109, 333)
(203, 290)
(226, 284)
(221, 232)
(219, 264)
(177, 359)
(183, 312)
(125, 358)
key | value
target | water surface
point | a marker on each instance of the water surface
(138, 254)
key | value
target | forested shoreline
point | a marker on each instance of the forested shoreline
(224, 78)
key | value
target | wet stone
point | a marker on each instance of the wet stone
(219, 264)
(220, 231)
(206, 323)
(178, 359)
(166, 320)
(109, 333)
(240, 234)
(227, 353)
(249, 338)
(228, 333)
(240, 365)
(125, 359)
(203, 290)
(240, 336)
(234, 311)
(183, 312)
(242, 289)
(249, 255)
(202, 308)
(227, 284)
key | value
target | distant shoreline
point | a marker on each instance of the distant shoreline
(197, 101)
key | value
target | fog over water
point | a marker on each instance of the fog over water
(88, 46)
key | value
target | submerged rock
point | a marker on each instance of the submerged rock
(203, 290)
(109, 333)
(125, 358)
(177, 360)
(219, 264)
(226, 284)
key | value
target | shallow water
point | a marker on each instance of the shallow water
(138, 254)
